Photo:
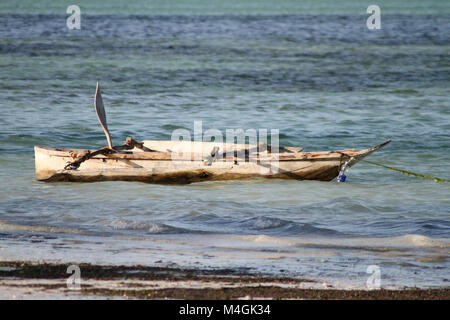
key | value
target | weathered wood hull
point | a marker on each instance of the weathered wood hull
(179, 162)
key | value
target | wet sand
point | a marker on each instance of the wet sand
(31, 280)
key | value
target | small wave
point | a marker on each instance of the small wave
(149, 227)
(418, 240)
(397, 244)
(286, 227)
(263, 223)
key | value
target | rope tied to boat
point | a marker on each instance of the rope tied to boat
(417, 175)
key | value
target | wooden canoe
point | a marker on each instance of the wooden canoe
(183, 162)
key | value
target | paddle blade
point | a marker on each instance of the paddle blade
(101, 115)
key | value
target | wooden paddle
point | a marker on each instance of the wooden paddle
(101, 115)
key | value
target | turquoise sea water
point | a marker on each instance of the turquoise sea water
(310, 69)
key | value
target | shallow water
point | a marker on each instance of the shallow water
(315, 73)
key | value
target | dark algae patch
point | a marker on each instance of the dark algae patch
(29, 270)
(217, 284)
(274, 292)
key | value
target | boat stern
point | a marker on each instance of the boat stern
(46, 165)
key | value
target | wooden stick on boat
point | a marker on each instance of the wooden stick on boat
(260, 149)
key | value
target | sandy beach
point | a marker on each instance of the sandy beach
(31, 280)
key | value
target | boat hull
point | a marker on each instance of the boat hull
(172, 164)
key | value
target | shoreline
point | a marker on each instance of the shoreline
(43, 280)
